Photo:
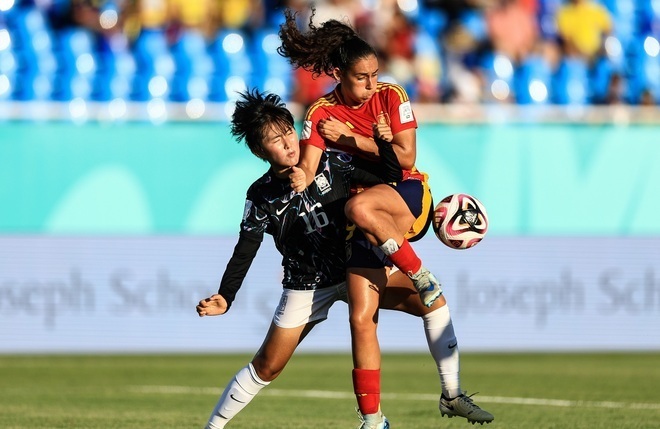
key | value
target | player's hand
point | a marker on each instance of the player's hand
(214, 305)
(298, 179)
(383, 132)
(332, 129)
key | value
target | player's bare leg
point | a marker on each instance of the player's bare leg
(267, 364)
(363, 300)
(383, 216)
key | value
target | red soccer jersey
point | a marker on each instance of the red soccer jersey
(390, 103)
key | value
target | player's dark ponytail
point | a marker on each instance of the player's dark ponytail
(321, 49)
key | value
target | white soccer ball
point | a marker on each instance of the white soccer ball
(460, 221)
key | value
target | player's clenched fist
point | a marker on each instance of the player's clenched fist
(382, 131)
(332, 129)
(214, 305)
(298, 179)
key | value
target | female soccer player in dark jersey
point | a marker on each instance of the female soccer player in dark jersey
(346, 119)
(309, 231)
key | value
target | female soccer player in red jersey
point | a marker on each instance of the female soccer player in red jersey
(309, 230)
(386, 216)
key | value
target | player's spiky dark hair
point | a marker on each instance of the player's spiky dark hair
(255, 113)
(321, 49)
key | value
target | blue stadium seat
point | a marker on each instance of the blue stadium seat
(33, 53)
(154, 65)
(648, 16)
(571, 82)
(116, 68)
(624, 17)
(76, 64)
(429, 53)
(639, 67)
(475, 24)
(193, 66)
(7, 64)
(547, 10)
(533, 81)
(272, 72)
(645, 74)
(432, 21)
(600, 75)
(232, 71)
(7, 67)
(498, 74)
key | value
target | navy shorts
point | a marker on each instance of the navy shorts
(362, 254)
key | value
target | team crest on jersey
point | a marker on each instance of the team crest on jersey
(383, 118)
(322, 183)
(307, 130)
(405, 112)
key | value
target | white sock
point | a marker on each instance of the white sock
(444, 349)
(239, 392)
(389, 247)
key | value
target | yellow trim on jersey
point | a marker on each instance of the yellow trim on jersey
(321, 102)
(403, 96)
(331, 99)
(326, 100)
(427, 200)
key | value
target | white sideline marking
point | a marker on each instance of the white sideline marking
(325, 394)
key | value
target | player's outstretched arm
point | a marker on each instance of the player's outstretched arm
(215, 305)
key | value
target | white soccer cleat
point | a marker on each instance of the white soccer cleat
(427, 286)
(463, 406)
(373, 421)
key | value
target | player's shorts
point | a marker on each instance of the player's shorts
(360, 253)
(299, 307)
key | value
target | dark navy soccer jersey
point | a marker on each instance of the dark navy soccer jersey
(308, 228)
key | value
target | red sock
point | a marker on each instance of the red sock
(366, 384)
(406, 259)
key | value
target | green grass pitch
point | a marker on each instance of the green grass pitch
(544, 391)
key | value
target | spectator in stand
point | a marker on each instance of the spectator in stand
(531, 6)
(309, 88)
(397, 49)
(247, 15)
(191, 15)
(647, 99)
(512, 29)
(147, 14)
(582, 26)
(455, 9)
(615, 90)
(461, 47)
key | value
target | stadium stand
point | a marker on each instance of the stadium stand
(49, 53)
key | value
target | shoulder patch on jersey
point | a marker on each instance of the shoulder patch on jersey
(395, 88)
(327, 100)
(406, 113)
(307, 130)
(246, 209)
